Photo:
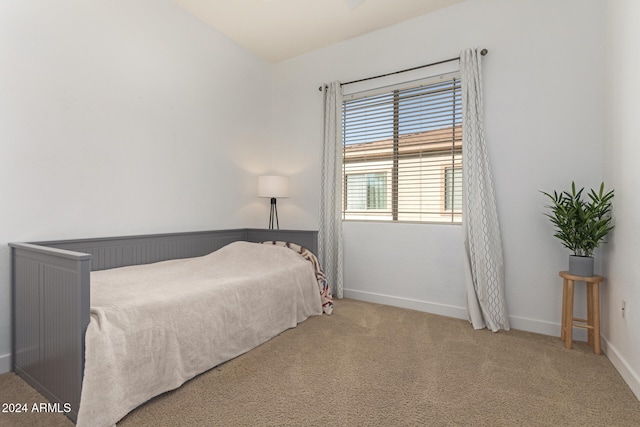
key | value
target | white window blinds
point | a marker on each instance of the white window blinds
(403, 152)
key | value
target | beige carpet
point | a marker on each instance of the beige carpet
(374, 365)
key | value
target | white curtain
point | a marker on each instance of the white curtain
(481, 231)
(330, 232)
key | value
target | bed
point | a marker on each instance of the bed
(74, 340)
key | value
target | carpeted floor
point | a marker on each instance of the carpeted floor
(375, 365)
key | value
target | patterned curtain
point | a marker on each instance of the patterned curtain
(330, 232)
(482, 242)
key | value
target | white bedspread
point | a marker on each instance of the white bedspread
(155, 326)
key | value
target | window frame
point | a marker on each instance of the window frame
(382, 173)
(445, 168)
(452, 217)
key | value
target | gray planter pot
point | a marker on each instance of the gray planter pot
(581, 265)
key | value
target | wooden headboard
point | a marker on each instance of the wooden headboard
(113, 252)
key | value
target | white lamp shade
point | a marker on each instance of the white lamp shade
(273, 186)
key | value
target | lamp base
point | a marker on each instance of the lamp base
(273, 215)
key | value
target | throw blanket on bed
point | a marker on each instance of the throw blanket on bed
(323, 286)
(155, 326)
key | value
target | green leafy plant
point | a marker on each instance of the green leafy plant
(581, 225)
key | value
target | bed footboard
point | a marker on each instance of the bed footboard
(50, 317)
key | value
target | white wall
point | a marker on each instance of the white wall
(544, 128)
(121, 118)
(621, 154)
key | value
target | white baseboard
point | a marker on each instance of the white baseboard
(413, 304)
(544, 328)
(626, 372)
(520, 323)
(5, 363)
(536, 326)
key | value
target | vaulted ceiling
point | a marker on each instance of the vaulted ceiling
(277, 30)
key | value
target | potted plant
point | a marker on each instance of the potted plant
(581, 225)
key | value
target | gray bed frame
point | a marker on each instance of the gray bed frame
(51, 296)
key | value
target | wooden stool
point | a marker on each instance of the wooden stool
(593, 310)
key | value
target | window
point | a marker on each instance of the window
(453, 189)
(402, 158)
(366, 191)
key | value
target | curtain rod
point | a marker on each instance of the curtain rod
(483, 52)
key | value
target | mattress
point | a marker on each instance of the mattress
(155, 326)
